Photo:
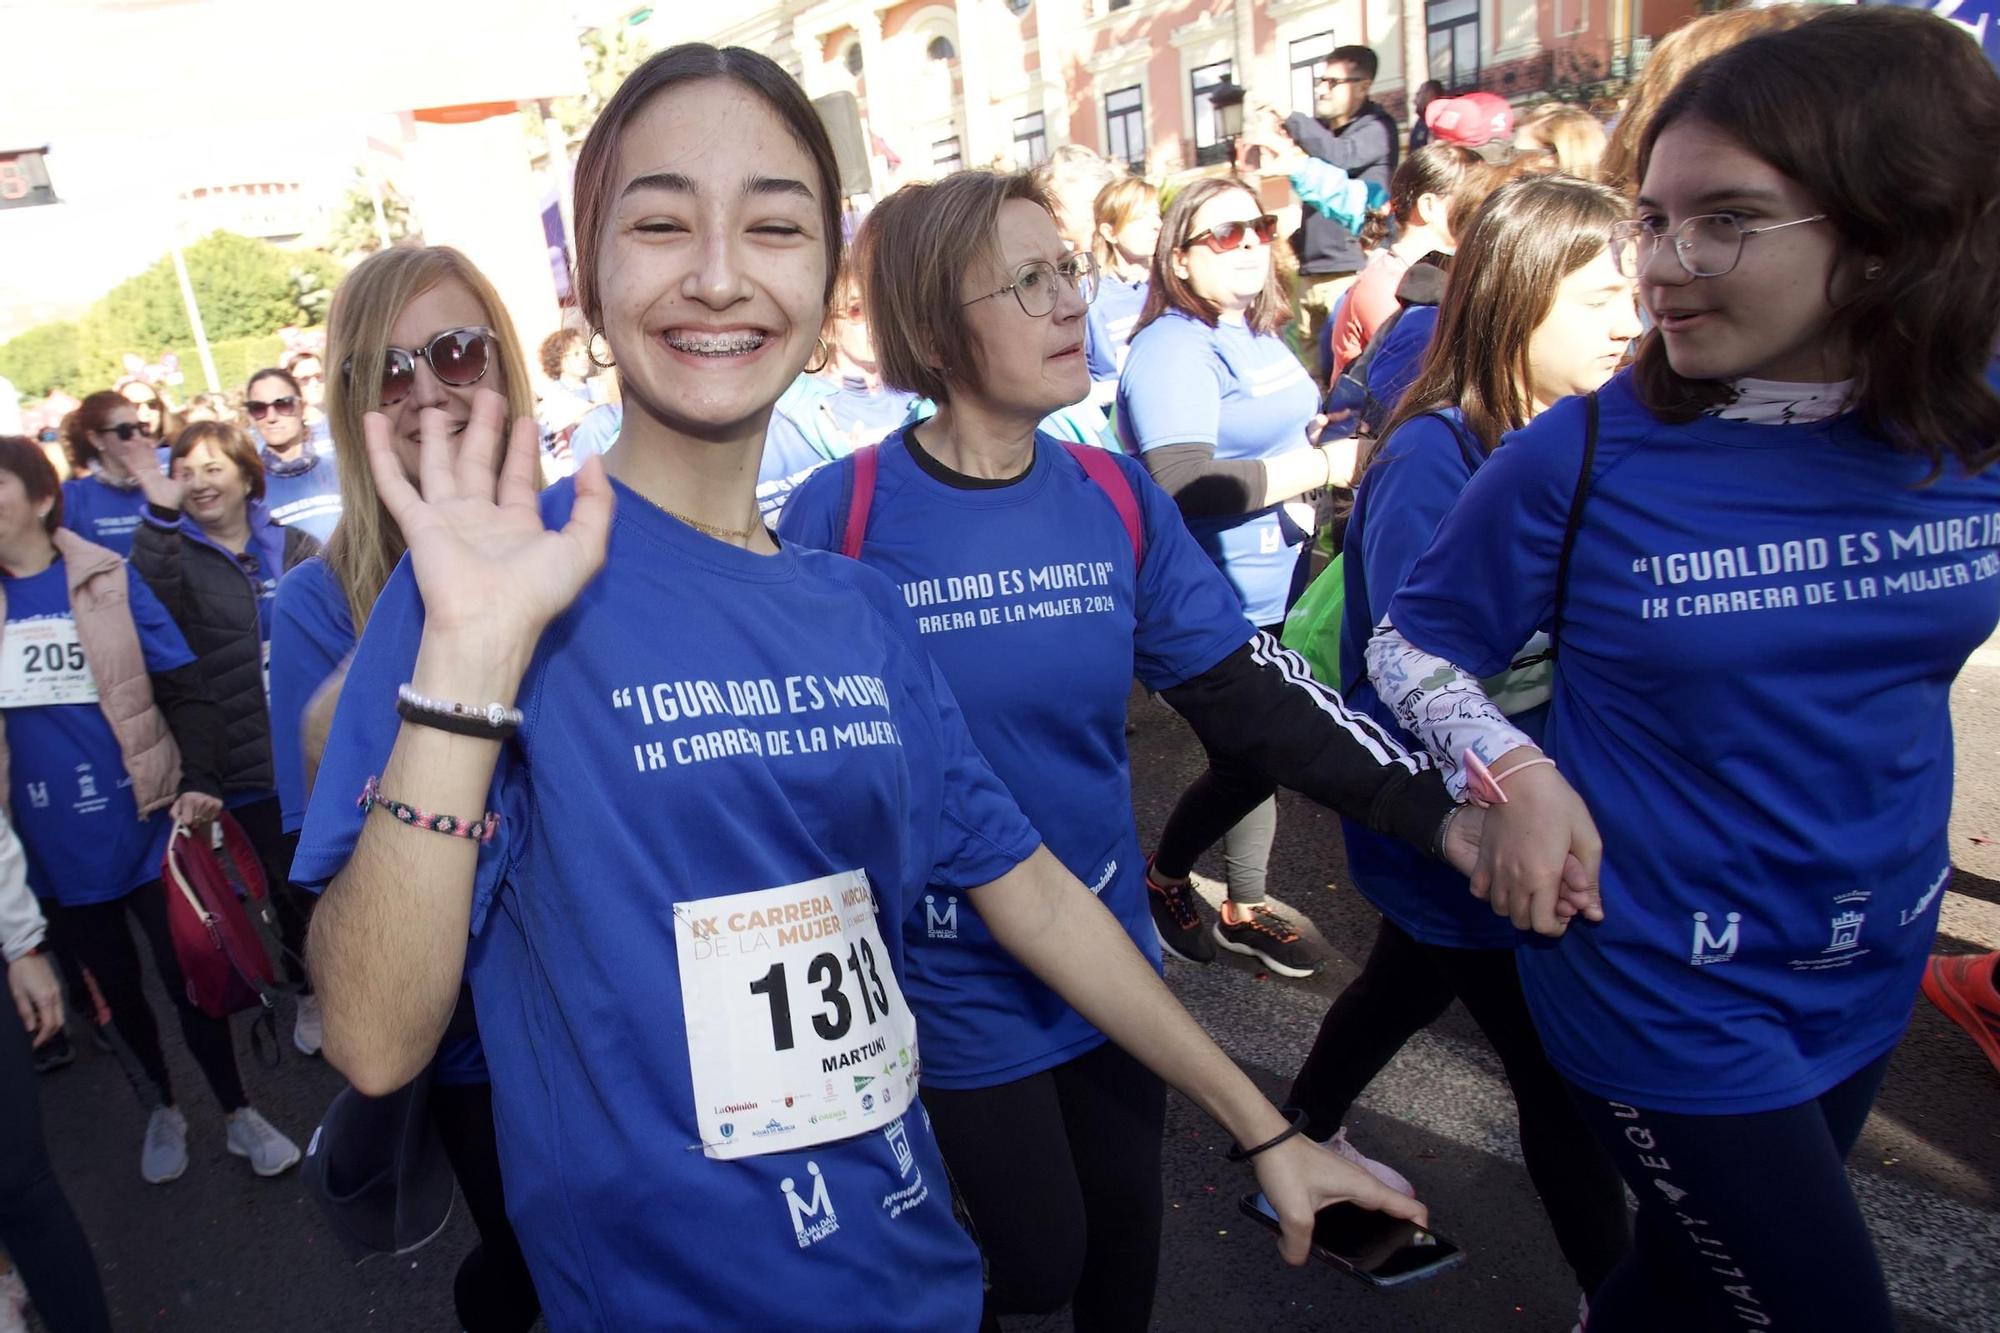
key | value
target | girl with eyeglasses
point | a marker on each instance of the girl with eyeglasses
(302, 484)
(1051, 1132)
(102, 502)
(414, 331)
(1223, 415)
(724, 773)
(1763, 553)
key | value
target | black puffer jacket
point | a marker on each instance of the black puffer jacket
(212, 597)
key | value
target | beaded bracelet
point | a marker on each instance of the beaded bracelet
(479, 830)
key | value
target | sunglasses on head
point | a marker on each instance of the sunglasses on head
(1231, 235)
(458, 357)
(288, 406)
(125, 430)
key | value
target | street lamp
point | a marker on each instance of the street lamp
(1226, 98)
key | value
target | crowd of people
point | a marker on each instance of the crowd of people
(780, 620)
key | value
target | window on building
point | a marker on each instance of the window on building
(941, 49)
(1208, 145)
(1308, 60)
(947, 156)
(853, 60)
(1031, 141)
(1451, 30)
(1125, 125)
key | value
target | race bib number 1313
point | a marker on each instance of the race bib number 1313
(797, 1031)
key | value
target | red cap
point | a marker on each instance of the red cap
(1470, 121)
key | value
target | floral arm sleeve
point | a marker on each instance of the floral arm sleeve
(1444, 707)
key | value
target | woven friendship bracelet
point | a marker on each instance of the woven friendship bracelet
(479, 830)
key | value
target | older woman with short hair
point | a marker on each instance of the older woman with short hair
(1042, 574)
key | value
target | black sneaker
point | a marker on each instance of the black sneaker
(1177, 919)
(54, 1053)
(1263, 934)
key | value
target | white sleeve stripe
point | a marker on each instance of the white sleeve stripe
(1266, 651)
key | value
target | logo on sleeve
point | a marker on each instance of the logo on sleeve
(1711, 947)
(813, 1220)
(941, 925)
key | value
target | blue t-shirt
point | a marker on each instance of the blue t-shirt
(1753, 698)
(1027, 597)
(311, 634)
(303, 493)
(1107, 329)
(68, 789)
(99, 512)
(816, 422)
(1246, 394)
(1406, 493)
(701, 721)
(1400, 357)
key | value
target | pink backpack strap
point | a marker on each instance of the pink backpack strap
(860, 498)
(1103, 469)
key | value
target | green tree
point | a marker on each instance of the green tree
(351, 234)
(609, 54)
(247, 288)
(41, 359)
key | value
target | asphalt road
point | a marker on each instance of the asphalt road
(220, 1251)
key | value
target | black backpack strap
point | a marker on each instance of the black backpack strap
(1466, 453)
(1576, 503)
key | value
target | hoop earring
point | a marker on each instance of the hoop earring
(821, 353)
(590, 350)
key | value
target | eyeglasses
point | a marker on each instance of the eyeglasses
(458, 357)
(1231, 235)
(1331, 81)
(288, 406)
(125, 430)
(1037, 284)
(1707, 245)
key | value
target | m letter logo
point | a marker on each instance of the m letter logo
(1713, 947)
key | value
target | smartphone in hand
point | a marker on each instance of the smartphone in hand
(1381, 1250)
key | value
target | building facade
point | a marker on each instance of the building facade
(943, 84)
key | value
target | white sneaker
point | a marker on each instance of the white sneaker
(13, 1303)
(252, 1136)
(1388, 1175)
(306, 1028)
(165, 1156)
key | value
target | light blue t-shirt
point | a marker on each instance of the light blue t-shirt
(702, 721)
(1028, 598)
(1107, 329)
(815, 422)
(303, 492)
(1753, 698)
(1186, 382)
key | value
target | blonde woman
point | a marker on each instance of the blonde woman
(411, 330)
(1564, 138)
(1128, 227)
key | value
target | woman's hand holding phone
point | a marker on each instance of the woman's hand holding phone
(1299, 1177)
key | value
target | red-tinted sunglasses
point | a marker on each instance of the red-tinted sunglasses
(1230, 235)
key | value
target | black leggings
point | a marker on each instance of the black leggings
(1060, 1174)
(101, 938)
(37, 1227)
(493, 1291)
(1745, 1221)
(1405, 986)
(264, 824)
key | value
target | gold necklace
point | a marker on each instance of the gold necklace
(741, 535)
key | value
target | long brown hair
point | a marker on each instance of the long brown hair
(1678, 52)
(1170, 291)
(1435, 169)
(1528, 236)
(1908, 176)
(366, 543)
